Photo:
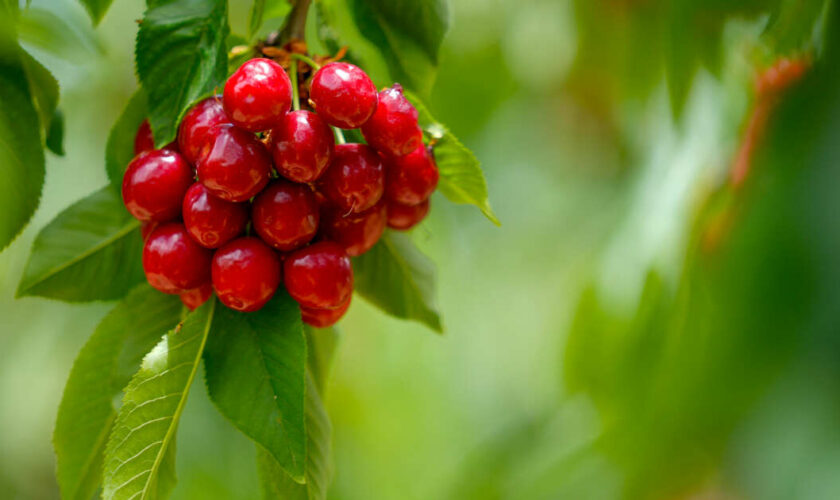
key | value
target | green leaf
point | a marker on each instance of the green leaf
(55, 134)
(90, 251)
(103, 367)
(321, 344)
(96, 9)
(461, 177)
(265, 10)
(791, 26)
(181, 57)
(255, 365)
(120, 148)
(139, 457)
(44, 89)
(398, 279)
(58, 31)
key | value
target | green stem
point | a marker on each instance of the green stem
(339, 136)
(308, 60)
(295, 94)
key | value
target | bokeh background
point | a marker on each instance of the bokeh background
(637, 328)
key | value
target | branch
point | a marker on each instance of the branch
(295, 26)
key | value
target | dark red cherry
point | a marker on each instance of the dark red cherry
(147, 227)
(235, 165)
(355, 179)
(322, 318)
(173, 261)
(257, 95)
(285, 215)
(404, 217)
(196, 125)
(319, 276)
(357, 233)
(246, 273)
(154, 185)
(412, 178)
(143, 140)
(212, 221)
(393, 128)
(302, 145)
(196, 297)
(343, 94)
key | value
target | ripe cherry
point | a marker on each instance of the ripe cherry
(343, 94)
(154, 185)
(404, 217)
(357, 233)
(393, 127)
(355, 179)
(173, 262)
(322, 318)
(246, 273)
(285, 215)
(147, 227)
(235, 165)
(319, 276)
(143, 140)
(196, 297)
(196, 125)
(257, 95)
(412, 178)
(212, 221)
(302, 145)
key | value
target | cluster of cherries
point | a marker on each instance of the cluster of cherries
(276, 199)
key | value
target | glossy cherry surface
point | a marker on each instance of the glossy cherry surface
(257, 95)
(154, 185)
(302, 145)
(173, 262)
(319, 276)
(357, 233)
(196, 125)
(246, 273)
(322, 318)
(285, 215)
(143, 140)
(235, 164)
(210, 220)
(355, 179)
(343, 94)
(393, 128)
(412, 178)
(404, 217)
(196, 297)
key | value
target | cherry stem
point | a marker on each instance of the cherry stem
(339, 136)
(293, 70)
(308, 60)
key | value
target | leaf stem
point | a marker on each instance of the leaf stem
(293, 73)
(339, 136)
(308, 60)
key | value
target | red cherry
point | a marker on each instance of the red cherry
(302, 145)
(196, 125)
(235, 165)
(246, 273)
(322, 318)
(154, 185)
(357, 233)
(393, 127)
(319, 276)
(403, 217)
(285, 215)
(147, 227)
(212, 221)
(343, 94)
(143, 140)
(257, 95)
(173, 261)
(196, 297)
(355, 179)
(412, 178)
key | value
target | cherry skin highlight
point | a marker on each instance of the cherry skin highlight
(393, 128)
(343, 94)
(302, 145)
(154, 185)
(355, 179)
(246, 273)
(234, 165)
(173, 262)
(196, 125)
(143, 140)
(212, 221)
(285, 215)
(257, 95)
(412, 178)
(404, 217)
(196, 297)
(357, 233)
(322, 318)
(319, 276)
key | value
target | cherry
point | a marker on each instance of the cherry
(257, 95)
(302, 145)
(246, 273)
(147, 227)
(343, 94)
(355, 179)
(234, 165)
(154, 185)
(212, 221)
(393, 127)
(173, 262)
(319, 276)
(143, 140)
(196, 125)
(196, 297)
(357, 233)
(322, 318)
(403, 217)
(412, 178)
(285, 215)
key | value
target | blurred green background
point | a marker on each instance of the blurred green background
(637, 328)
